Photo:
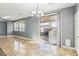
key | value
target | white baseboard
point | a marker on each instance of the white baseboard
(3, 36)
(10, 36)
(22, 37)
(68, 47)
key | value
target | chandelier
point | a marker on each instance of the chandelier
(38, 12)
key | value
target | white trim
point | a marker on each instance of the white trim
(25, 38)
(54, 13)
(10, 36)
(68, 47)
(76, 49)
(61, 28)
(2, 36)
(6, 36)
(58, 29)
(22, 37)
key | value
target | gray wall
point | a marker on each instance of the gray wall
(31, 28)
(6, 28)
(3, 28)
(68, 25)
(76, 7)
(9, 28)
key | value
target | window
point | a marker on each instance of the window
(19, 26)
(16, 26)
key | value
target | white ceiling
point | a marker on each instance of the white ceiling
(15, 11)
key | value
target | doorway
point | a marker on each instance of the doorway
(49, 29)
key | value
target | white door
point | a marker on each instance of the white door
(77, 31)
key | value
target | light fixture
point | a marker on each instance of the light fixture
(38, 12)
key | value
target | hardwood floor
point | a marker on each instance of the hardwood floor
(14, 46)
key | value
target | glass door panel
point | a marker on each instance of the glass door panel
(48, 29)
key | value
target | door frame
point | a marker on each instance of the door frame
(59, 27)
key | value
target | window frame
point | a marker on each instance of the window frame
(19, 26)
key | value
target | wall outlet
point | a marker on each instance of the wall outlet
(67, 42)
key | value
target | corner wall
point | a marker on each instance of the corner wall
(9, 28)
(31, 28)
(68, 25)
(3, 28)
